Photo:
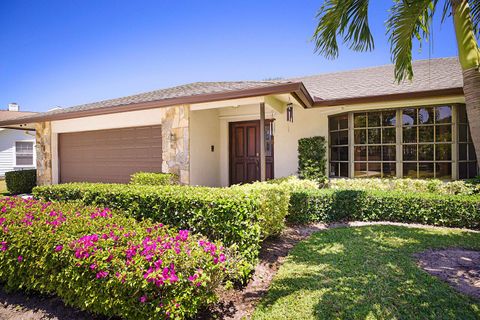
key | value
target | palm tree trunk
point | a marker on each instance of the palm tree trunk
(469, 57)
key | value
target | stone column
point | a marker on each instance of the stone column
(176, 142)
(44, 152)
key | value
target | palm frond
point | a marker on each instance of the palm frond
(408, 19)
(347, 19)
(475, 15)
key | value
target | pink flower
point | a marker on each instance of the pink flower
(4, 246)
(58, 248)
(143, 299)
(20, 258)
(102, 274)
(93, 266)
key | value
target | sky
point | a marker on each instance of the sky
(70, 52)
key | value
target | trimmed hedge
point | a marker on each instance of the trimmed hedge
(312, 158)
(239, 216)
(406, 185)
(328, 205)
(103, 262)
(21, 181)
(154, 179)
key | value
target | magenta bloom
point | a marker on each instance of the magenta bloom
(102, 274)
(20, 258)
(143, 299)
(4, 246)
(93, 266)
(58, 248)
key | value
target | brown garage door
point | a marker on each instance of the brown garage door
(109, 155)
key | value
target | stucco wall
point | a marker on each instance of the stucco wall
(204, 133)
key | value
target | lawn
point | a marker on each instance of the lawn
(367, 273)
(3, 186)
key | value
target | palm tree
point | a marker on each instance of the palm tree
(408, 20)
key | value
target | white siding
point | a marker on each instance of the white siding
(7, 148)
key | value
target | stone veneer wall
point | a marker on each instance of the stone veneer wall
(43, 135)
(175, 142)
(175, 145)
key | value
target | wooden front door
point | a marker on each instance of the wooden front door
(245, 151)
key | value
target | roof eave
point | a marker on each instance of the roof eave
(295, 88)
(318, 103)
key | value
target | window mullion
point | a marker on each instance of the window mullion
(351, 151)
(398, 144)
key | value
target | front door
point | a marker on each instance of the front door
(245, 151)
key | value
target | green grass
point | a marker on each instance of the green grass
(367, 273)
(3, 187)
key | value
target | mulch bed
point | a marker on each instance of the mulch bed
(22, 306)
(460, 268)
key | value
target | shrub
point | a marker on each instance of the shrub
(231, 215)
(154, 179)
(272, 202)
(312, 158)
(106, 263)
(293, 183)
(404, 185)
(21, 181)
(328, 205)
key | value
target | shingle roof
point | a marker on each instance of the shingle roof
(8, 115)
(191, 89)
(434, 74)
(430, 75)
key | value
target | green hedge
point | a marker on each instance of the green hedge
(106, 263)
(312, 158)
(21, 181)
(154, 179)
(328, 205)
(239, 216)
(406, 185)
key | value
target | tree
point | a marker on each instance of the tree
(408, 20)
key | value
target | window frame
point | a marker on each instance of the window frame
(34, 155)
(399, 163)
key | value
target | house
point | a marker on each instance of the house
(222, 133)
(16, 143)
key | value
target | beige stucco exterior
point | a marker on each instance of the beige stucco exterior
(196, 137)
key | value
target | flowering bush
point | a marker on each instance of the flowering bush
(234, 216)
(100, 261)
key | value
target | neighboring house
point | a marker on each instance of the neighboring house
(16, 144)
(209, 133)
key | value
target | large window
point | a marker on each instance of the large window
(339, 146)
(374, 144)
(427, 142)
(416, 142)
(24, 153)
(467, 164)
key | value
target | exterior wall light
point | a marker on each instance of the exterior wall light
(290, 112)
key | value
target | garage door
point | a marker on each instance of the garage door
(109, 155)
